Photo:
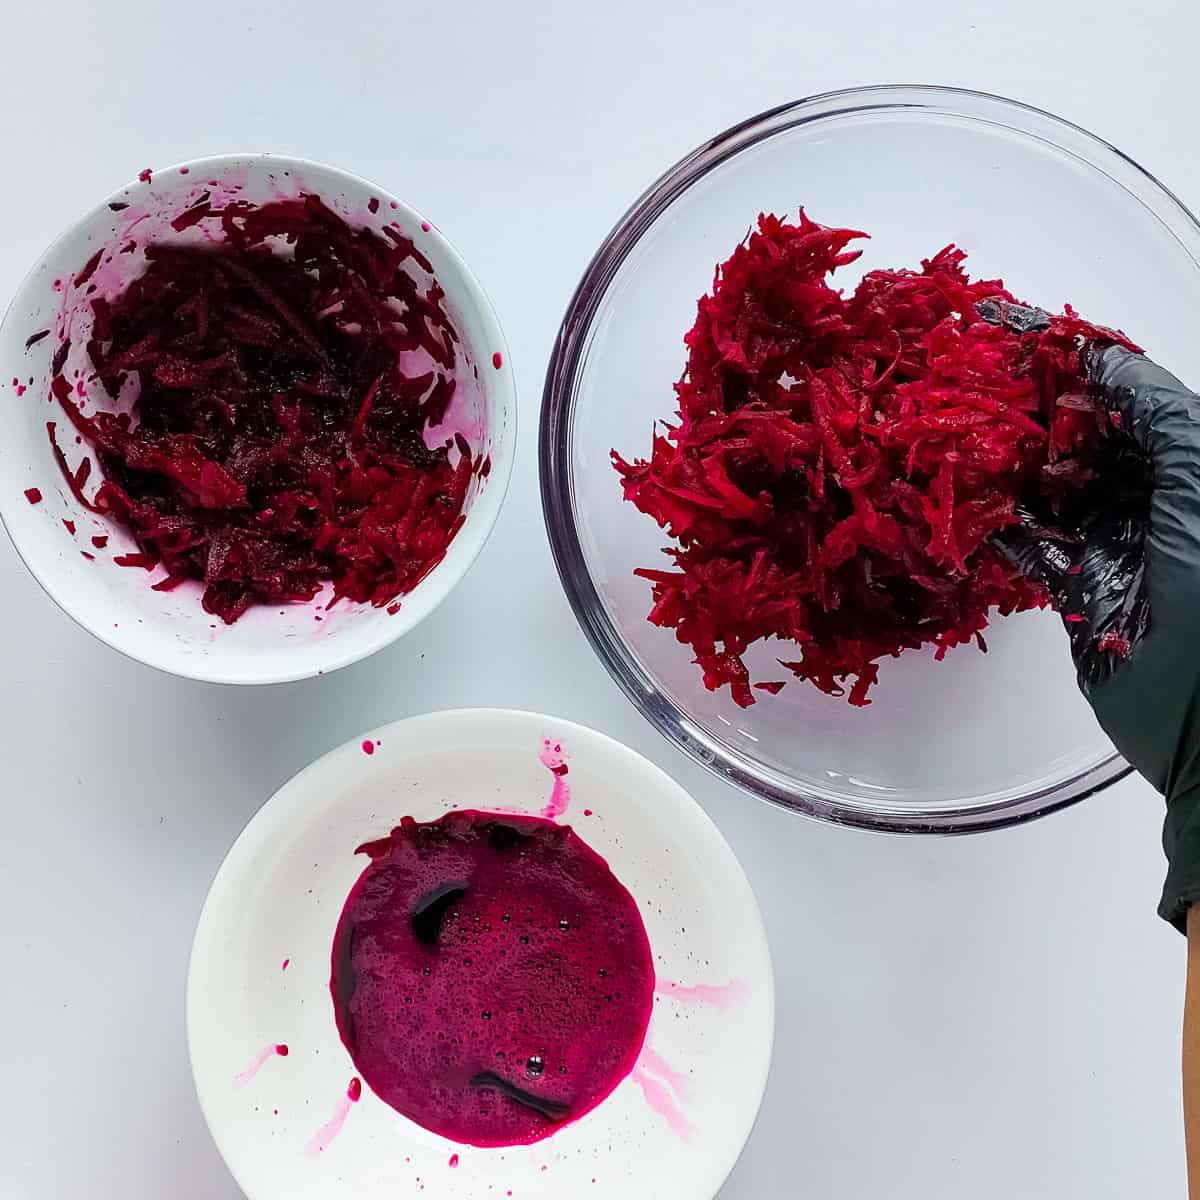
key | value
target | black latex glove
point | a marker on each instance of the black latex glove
(1126, 580)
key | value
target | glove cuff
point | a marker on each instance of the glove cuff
(1181, 841)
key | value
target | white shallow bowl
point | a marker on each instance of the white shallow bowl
(672, 1130)
(171, 630)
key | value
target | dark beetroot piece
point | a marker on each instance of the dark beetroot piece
(840, 463)
(275, 441)
(491, 977)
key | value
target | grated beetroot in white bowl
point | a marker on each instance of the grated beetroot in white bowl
(275, 437)
(279, 434)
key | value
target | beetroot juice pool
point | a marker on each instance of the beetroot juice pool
(492, 978)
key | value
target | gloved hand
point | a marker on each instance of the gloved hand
(1126, 581)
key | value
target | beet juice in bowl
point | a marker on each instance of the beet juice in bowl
(261, 419)
(474, 953)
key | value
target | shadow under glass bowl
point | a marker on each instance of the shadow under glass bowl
(974, 742)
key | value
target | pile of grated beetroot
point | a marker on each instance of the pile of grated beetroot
(275, 442)
(840, 462)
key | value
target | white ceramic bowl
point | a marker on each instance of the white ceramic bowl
(170, 630)
(671, 1130)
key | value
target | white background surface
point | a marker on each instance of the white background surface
(992, 1017)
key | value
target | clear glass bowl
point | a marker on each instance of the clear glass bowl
(976, 741)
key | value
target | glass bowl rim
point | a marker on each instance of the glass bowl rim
(557, 416)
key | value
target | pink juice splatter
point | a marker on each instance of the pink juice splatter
(491, 978)
(724, 996)
(660, 1099)
(320, 1140)
(656, 1064)
(662, 1085)
(555, 762)
(257, 1063)
(664, 1088)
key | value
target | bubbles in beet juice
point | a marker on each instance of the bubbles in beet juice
(445, 968)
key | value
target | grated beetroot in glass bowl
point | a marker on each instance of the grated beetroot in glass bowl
(275, 384)
(841, 462)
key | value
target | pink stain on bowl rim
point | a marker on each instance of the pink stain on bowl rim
(257, 1063)
(663, 1088)
(724, 996)
(555, 761)
(662, 1085)
(320, 1140)
(677, 1081)
(454, 1160)
(661, 1101)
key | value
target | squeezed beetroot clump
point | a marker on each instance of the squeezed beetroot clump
(276, 439)
(840, 463)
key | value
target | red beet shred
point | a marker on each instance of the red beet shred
(840, 463)
(276, 439)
